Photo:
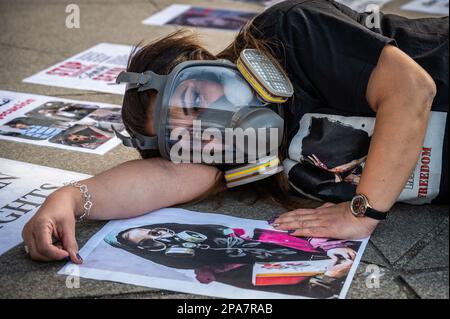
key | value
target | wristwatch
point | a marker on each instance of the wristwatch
(360, 207)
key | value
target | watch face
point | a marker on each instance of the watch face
(359, 205)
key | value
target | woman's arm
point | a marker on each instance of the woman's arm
(401, 93)
(136, 187)
(130, 189)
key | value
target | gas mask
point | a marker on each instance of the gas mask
(216, 112)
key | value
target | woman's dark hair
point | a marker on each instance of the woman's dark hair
(150, 244)
(66, 138)
(161, 56)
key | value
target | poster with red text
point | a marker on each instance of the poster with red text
(95, 69)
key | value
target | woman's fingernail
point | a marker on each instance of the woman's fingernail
(272, 219)
(79, 257)
(275, 225)
(291, 231)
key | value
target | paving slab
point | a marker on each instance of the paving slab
(65, 159)
(429, 285)
(406, 225)
(373, 256)
(52, 35)
(434, 255)
(388, 287)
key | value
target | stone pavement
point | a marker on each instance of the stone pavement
(410, 248)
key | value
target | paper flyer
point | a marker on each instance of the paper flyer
(439, 7)
(95, 69)
(62, 123)
(363, 5)
(23, 189)
(218, 255)
(186, 15)
(357, 5)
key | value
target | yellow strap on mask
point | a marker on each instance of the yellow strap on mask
(249, 173)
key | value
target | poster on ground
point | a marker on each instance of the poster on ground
(357, 5)
(95, 69)
(439, 7)
(218, 255)
(62, 123)
(23, 189)
(202, 17)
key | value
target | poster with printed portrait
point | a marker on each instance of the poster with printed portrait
(201, 17)
(218, 255)
(54, 122)
(438, 7)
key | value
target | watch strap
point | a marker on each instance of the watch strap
(375, 214)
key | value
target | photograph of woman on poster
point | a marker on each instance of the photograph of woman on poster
(108, 115)
(84, 136)
(228, 255)
(105, 118)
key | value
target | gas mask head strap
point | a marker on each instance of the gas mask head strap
(137, 140)
(144, 81)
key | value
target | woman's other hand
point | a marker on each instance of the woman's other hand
(329, 221)
(50, 234)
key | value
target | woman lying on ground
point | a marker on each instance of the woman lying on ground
(347, 69)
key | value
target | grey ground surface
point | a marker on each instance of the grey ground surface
(411, 247)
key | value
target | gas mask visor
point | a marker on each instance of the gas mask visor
(213, 116)
(206, 112)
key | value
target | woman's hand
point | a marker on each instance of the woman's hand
(329, 220)
(50, 233)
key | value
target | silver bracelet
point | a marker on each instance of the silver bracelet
(87, 198)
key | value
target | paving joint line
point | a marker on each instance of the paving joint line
(406, 288)
(403, 260)
(423, 270)
(383, 257)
